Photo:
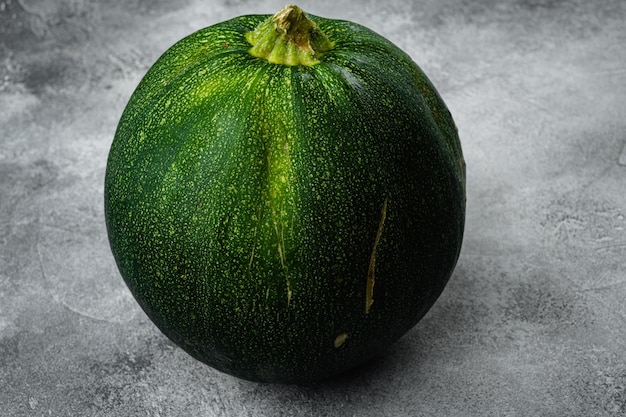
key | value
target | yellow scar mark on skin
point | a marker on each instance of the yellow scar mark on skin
(279, 228)
(369, 289)
(283, 261)
(340, 340)
(257, 218)
(278, 188)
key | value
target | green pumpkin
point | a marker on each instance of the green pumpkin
(285, 195)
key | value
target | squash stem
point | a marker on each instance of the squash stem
(289, 38)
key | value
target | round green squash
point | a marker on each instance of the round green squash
(285, 195)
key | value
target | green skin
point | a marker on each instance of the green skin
(285, 222)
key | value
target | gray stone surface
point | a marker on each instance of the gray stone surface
(533, 320)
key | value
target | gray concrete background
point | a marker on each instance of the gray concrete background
(533, 320)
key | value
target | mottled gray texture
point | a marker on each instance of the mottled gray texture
(533, 320)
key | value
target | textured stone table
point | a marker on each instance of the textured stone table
(533, 321)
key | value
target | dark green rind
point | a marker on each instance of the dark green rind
(243, 200)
